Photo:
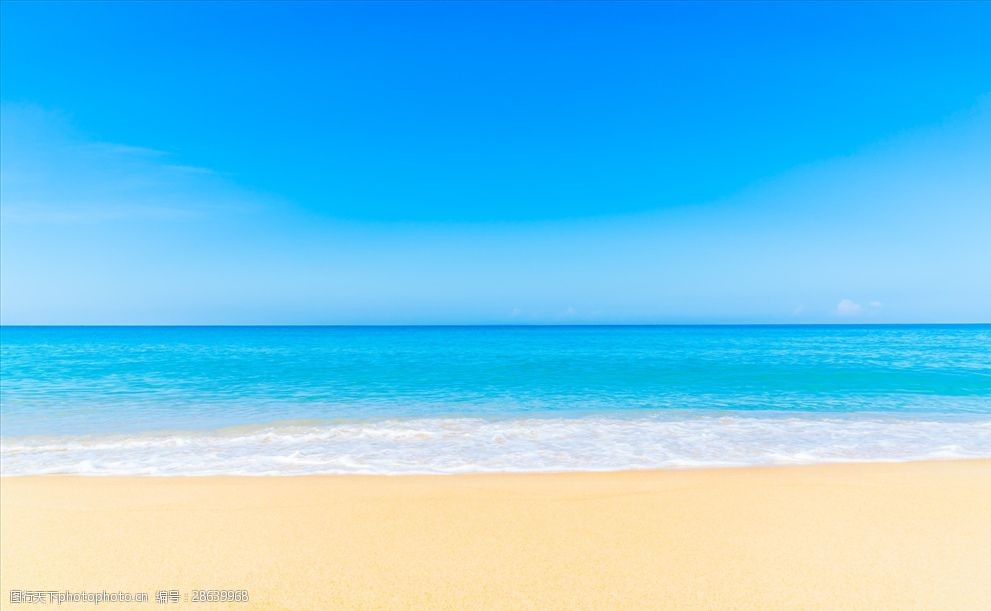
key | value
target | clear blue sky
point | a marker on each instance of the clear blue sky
(495, 162)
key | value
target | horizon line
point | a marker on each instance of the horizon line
(497, 325)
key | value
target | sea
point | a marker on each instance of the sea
(449, 399)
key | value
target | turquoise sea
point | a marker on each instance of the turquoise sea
(286, 400)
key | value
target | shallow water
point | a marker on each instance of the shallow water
(269, 400)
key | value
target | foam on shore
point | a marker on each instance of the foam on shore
(465, 445)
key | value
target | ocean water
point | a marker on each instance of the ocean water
(295, 400)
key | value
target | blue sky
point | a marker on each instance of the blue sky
(256, 163)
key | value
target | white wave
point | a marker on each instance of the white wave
(458, 445)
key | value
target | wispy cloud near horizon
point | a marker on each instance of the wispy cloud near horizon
(848, 308)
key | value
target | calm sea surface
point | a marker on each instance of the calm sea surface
(273, 400)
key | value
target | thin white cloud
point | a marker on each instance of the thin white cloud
(49, 174)
(28, 212)
(849, 307)
(113, 148)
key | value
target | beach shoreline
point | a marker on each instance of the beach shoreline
(851, 535)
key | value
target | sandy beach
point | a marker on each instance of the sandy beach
(910, 535)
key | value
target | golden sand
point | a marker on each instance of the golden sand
(898, 536)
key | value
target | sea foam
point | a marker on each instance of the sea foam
(461, 445)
